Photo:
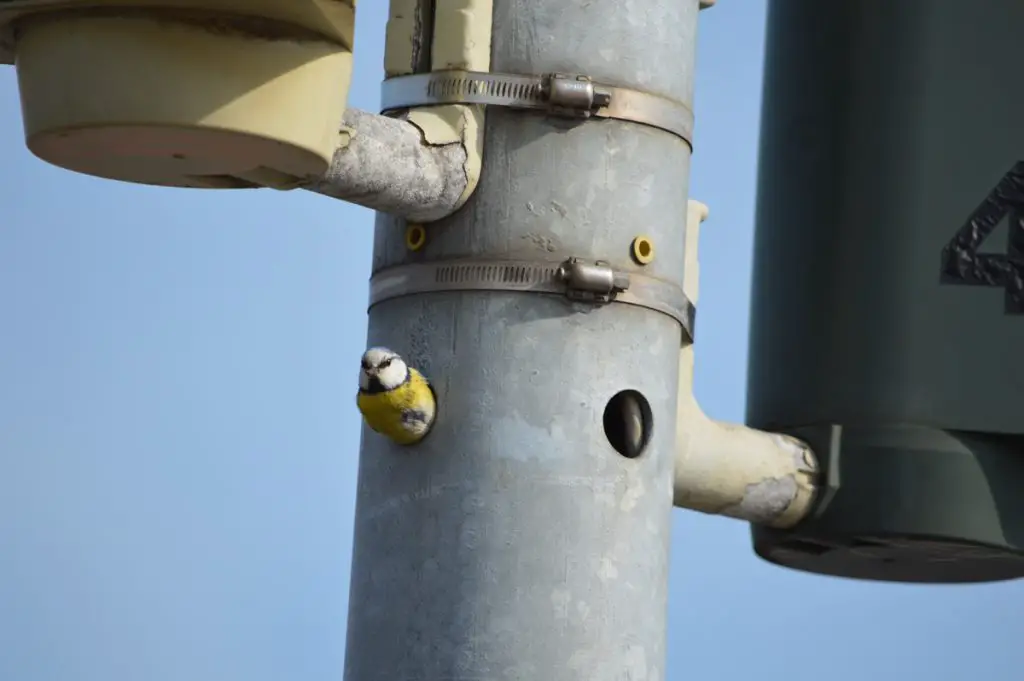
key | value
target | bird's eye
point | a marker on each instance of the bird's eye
(386, 363)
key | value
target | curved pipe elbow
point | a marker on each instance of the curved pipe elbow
(386, 163)
(739, 472)
(728, 469)
(424, 164)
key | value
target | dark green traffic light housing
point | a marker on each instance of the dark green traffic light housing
(887, 324)
(909, 504)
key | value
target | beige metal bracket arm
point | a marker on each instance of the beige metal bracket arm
(385, 164)
(424, 163)
(730, 469)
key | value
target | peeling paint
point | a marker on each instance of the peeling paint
(607, 571)
(803, 457)
(765, 501)
(635, 663)
(634, 492)
(461, 40)
(401, 37)
(560, 601)
(384, 164)
(456, 124)
(542, 242)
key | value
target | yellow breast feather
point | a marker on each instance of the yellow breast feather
(404, 414)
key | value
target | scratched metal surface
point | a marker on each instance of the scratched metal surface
(514, 542)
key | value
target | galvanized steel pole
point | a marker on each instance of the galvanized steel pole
(523, 538)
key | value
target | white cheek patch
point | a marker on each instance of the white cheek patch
(393, 375)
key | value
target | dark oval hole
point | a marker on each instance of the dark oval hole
(628, 422)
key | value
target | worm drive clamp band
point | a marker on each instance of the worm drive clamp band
(582, 281)
(566, 96)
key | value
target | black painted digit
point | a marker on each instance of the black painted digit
(963, 265)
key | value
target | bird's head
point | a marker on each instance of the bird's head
(381, 370)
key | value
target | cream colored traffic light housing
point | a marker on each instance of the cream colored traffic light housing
(190, 93)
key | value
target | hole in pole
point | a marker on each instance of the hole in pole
(415, 237)
(628, 422)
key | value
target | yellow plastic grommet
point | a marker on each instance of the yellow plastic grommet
(643, 250)
(415, 237)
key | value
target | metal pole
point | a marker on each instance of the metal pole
(515, 542)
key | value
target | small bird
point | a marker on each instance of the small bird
(395, 399)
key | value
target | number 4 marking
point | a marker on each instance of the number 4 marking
(963, 265)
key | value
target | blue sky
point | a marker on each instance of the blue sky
(178, 438)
